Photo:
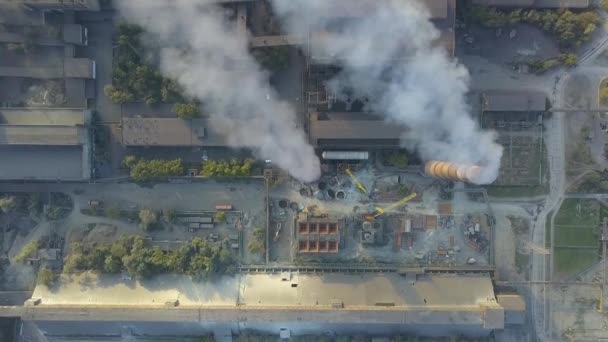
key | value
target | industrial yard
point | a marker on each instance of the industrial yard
(400, 220)
(261, 170)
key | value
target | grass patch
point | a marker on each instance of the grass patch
(571, 261)
(576, 212)
(576, 236)
(517, 191)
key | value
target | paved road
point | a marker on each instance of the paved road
(244, 195)
(542, 265)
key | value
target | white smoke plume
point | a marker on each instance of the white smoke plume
(202, 50)
(423, 89)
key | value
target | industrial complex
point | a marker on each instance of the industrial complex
(261, 170)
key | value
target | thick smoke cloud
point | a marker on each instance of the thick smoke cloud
(203, 51)
(423, 89)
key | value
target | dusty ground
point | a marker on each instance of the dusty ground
(529, 43)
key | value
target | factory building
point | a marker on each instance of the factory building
(45, 144)
(374, 304)
(54, 67)
(169, 132)
(56, 5)
(536, 4)
(505, 108)
(353, 130)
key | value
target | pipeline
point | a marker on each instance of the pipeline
(452, 171)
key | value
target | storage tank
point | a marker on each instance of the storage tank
(452, 171)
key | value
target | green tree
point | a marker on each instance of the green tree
(567, 59)
(129, 161)
(169, 215)
(186, 110)
(28, 251)
(146, 170)
(257, 241)
(147, 218)
(46, 277)
(604, 5)
(117, 95)
(220, 216)
(7, 204)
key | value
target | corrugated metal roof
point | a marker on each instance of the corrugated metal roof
(438, 9)
(169, 132)
(41, 135)
(353, 126)
(514, 101)
(535, 3)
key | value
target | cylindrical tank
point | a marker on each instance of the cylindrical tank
(452, 171)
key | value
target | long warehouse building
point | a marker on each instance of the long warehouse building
(170, 305)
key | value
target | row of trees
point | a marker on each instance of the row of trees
(570, 29)
(540, 66)
(134, 78)
(129, 254)
(222, 168)
(142, 170)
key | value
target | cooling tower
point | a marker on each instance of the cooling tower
(452, 171)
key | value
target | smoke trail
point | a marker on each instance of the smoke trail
(389, 56)
(203, 51)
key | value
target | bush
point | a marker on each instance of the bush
(398, 159)
(117, 95)
(186, 110)
(112, 212)
(214, 168)
(604, 5)
(220, 216)
(147, 218)
(257, 241)
(7, 204)
(142, 170)
(28, 251)
(46, 277)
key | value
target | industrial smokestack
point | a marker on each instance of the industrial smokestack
(453, 171)
(389, 55)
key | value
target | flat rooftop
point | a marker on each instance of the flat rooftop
(41, 162)
(33, 126)
(513, 101)
(364, 298)
(169, 132)
(353, 129)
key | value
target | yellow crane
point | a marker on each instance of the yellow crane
(379, 211)
(356, 181)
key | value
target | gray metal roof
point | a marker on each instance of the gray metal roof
(41, 135)
(42, 162)
(79, 68)
(535, 3)
(438, 9)
(32, 126)
(514, 101)
(73, 34)
(353, 126)
(169, 132)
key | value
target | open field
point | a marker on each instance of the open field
(576, 243)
